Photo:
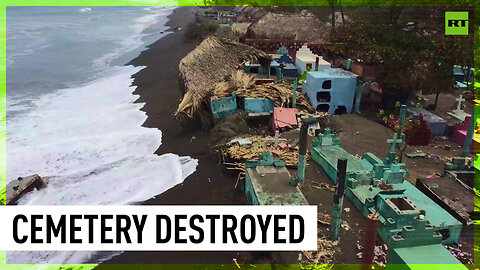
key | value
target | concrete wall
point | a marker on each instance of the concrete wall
(301, 63)
(258, 105)
(339, 95)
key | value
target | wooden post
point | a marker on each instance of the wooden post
(338, 199)
(469, 136)
(369, 240)
(294, 95)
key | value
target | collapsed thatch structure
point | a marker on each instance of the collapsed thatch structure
(260, 145)
(210, 63)
(288, 26)
(246, 86)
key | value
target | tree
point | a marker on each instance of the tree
(377, 42)
(341, 11)
(444, 52)
(411, 46)
(333, 4)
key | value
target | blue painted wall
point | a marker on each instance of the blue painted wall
(224, 106)
(285, 59)
(289, 70)
(258, 105)
(341, 92)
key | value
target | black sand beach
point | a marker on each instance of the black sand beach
(210, 184)
(158, 88)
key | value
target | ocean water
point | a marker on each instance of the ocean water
(71, 115)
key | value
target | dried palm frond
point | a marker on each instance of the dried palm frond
(210, 63)
(289, 26)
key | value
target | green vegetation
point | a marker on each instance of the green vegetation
(410, 121)
(410, 44)
(3, 195)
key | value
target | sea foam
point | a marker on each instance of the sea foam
(89, 141)
(89, 144)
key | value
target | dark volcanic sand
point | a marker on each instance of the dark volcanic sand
(158, 88)
(157, 85)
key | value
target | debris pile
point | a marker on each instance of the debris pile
(210, 62)
(324, 186)
(326, 220)
(252, 147)
(248, 86)
(325, 251)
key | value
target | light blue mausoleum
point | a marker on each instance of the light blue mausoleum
(331, 90)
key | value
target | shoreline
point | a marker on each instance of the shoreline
(157, 86)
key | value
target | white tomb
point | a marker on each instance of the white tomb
(306, 59)
(458, 113)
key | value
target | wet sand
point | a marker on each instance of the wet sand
(158, 87)
(211, 184)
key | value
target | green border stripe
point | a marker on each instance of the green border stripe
(239, 3)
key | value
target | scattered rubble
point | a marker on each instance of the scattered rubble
(257, 146)
(325, 251)
(326, 220)
(417, 154)
(380, 253)
(462, 256)
(324, 186)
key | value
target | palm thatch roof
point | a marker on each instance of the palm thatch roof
(241, 28)
(210, 63)
(289, 26)
(246, 86)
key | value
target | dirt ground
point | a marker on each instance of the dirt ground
(212, 184)
(359, 135)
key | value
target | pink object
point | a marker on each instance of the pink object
(282, 145)
(460, 133)
(284, 117)
(276, 152)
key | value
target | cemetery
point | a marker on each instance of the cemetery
(282, 83)
(307, 106)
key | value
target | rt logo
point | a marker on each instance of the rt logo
(456, 23)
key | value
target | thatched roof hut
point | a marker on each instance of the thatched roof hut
(249, 13)
(288, 26)
(210, 63)
(240, 28)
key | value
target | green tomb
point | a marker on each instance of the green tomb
(408, 218)
(267, 182)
